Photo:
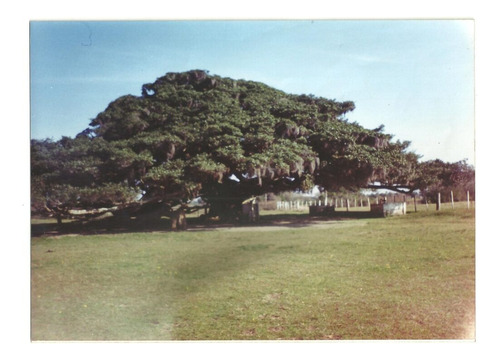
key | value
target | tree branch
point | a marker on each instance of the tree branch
(403, 189)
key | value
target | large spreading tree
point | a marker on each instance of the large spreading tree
(194, 135)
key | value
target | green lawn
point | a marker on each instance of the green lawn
(410, 277)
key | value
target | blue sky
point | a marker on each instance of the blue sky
(416, 76)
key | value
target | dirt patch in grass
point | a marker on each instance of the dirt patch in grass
(284, 225)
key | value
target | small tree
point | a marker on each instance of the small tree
(437, 176)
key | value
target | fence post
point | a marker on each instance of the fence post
(415, 202)
(468, 202)
(438, 202)
(452, 203)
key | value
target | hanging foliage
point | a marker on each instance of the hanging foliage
(193, 134)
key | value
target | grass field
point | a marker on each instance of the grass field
(410, 277)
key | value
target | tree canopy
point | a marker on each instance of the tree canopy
(193, 134)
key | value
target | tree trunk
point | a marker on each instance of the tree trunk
(173, 220)
(181, 220)
(178, 220)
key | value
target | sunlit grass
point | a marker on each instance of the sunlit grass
(410, 277)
